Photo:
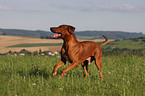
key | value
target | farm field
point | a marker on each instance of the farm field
(127, 43)
(6, 41)
(31, 44)
(31, 76)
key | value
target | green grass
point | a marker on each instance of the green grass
(36, 44)
(31, 76)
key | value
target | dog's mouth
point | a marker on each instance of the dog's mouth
(56, 35)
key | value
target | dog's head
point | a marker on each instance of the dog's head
(62, 30)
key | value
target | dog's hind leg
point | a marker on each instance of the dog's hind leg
(85, 67)
(98, 64)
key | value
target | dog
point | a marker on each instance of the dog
(76, 52)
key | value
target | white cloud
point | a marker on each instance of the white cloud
(126, 7)
(4, 7)
(93, 8)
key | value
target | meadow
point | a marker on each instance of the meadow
(32, 76)
(123, 65)
(138, 43)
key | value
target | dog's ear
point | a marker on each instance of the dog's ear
(71, 29)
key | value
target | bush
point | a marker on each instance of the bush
(117, 40)
(135, 40)
(40, 51)
(35, 53)
(26, 52)
(143, 40)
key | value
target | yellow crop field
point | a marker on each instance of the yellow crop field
(6, 41)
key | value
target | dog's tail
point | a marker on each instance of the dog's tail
(104, 42)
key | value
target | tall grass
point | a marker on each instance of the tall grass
(31, 76)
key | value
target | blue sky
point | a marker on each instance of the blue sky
(108, 15)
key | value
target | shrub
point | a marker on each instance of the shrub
(35, 53)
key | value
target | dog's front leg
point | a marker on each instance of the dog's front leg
(61, 63)
(73, 65)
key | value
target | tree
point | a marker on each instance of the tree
(4, 33)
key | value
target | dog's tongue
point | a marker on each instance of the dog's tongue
(56, 35)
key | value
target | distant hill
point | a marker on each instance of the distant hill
(80, 34)
(108, 34)
(27, 33)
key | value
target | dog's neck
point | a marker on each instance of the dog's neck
(70, 40)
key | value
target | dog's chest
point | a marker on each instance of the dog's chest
(67, 58)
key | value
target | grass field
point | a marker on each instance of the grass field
(128, 43)
(31, 76)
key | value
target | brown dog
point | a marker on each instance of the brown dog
(77, 52)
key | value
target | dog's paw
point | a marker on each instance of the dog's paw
(53, 74)
(61, 75)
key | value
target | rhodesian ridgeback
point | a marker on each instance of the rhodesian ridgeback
(77, 52)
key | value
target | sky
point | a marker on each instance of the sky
(100, 15)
